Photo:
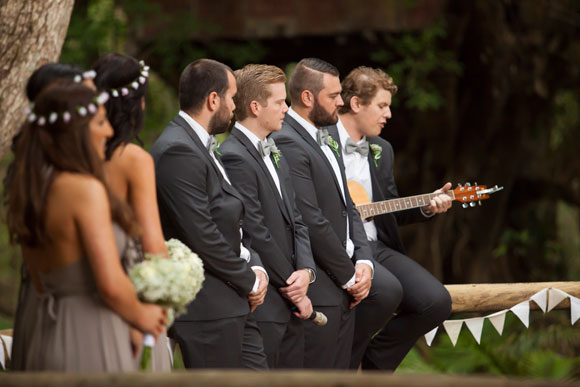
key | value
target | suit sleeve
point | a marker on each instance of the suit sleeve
(182, 188)
(245, 181)
(327, 247)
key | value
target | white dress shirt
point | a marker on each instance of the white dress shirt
(267, 160)
(204, 138)
(357, 168)
(312, 130)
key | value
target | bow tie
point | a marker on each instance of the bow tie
(322, 137)
(212, 144)
(267, 147)
(351, 147)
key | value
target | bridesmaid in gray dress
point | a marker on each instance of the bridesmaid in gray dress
(59, 210)
(126, 80)
(25, 315)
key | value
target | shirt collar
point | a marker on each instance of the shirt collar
(343, 135)
(311, 129)
(248, 133)
(197, 128)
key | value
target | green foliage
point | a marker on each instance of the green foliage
(566, 121)
(413, 59)
(548, 349)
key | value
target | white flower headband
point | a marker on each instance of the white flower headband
(81, 110)
(140, 80)
(91, 74)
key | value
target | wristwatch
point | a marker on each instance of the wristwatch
(311, 273)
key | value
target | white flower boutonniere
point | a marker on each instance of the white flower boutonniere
(377, 153)
(276, 156)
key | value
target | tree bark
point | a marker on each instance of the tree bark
(31, 34)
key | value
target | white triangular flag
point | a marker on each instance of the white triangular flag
(541, 298)
(574, 309)
(429, 336)
(522, 310)
(453, 327)
(555, 296)
(475, 326)
(497, 320)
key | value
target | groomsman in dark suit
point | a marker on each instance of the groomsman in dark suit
(341, 252)
(369, 161)
(198, 206)
(260, 173)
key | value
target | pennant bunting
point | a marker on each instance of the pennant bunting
(453, 327)
(522, 310)
(555, 296)
(429, 336)
(574, 309)
(475, 326)
(497, 320)
(540, 298)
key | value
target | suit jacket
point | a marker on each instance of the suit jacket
(385, 188)
(324, 211)
(199, 207)
(274, 223)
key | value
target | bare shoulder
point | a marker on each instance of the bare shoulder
(132, 157)
(77, 187)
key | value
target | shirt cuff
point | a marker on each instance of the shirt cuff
(244, 253)
(427, 214)
(350, 282)
(257, 282)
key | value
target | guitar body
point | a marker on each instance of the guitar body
(358, 193)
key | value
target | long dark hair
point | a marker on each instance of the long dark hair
(125, 112)
(43, 150)
(48, 73)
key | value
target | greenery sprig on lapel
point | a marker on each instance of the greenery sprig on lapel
(377, 151)
(276, 156)
(334, 145)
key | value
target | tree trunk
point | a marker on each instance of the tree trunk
(31, 34)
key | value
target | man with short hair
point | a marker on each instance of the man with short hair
(369, 161)
(198, 206)
(260, 173)
(340, 249)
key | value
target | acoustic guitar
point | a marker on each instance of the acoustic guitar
(467, 194)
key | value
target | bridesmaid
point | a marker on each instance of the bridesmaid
(129, 169)
(59, 210)
(26, 307)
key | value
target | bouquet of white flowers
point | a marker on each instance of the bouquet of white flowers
(172, 283)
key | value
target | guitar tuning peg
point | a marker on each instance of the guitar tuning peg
(472, 204)
(459, 185)
(479, 202)
(468, 184)
(475, 183)
(465, 205)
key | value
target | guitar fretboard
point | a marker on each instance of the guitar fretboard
(393, 205)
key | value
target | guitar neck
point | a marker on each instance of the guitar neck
(393, 205)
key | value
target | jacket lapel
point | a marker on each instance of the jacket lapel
(308, 138)
(238, 135)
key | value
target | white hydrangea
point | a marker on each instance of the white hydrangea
(173, 282)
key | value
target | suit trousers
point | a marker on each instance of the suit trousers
(425, 304)
(225, 343)
(284, 342)
(330, 346)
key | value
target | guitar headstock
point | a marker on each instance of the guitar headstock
(469, 194)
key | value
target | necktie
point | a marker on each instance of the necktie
(212, 144)
(322, 137)
(352, 147)
(267, 147)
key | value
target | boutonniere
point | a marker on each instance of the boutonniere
(276, 156)
(334, 145)
(217, 150)
(377, 153)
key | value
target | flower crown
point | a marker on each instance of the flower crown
(91, 74)
(81, 110)
(140, 80)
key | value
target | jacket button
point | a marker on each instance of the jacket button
(343, 243)
(288, 228)
(241, 222)
(344, 213)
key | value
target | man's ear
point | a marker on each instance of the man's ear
(355, 104)
(255, 107)
(213, 101)
(307, 98)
